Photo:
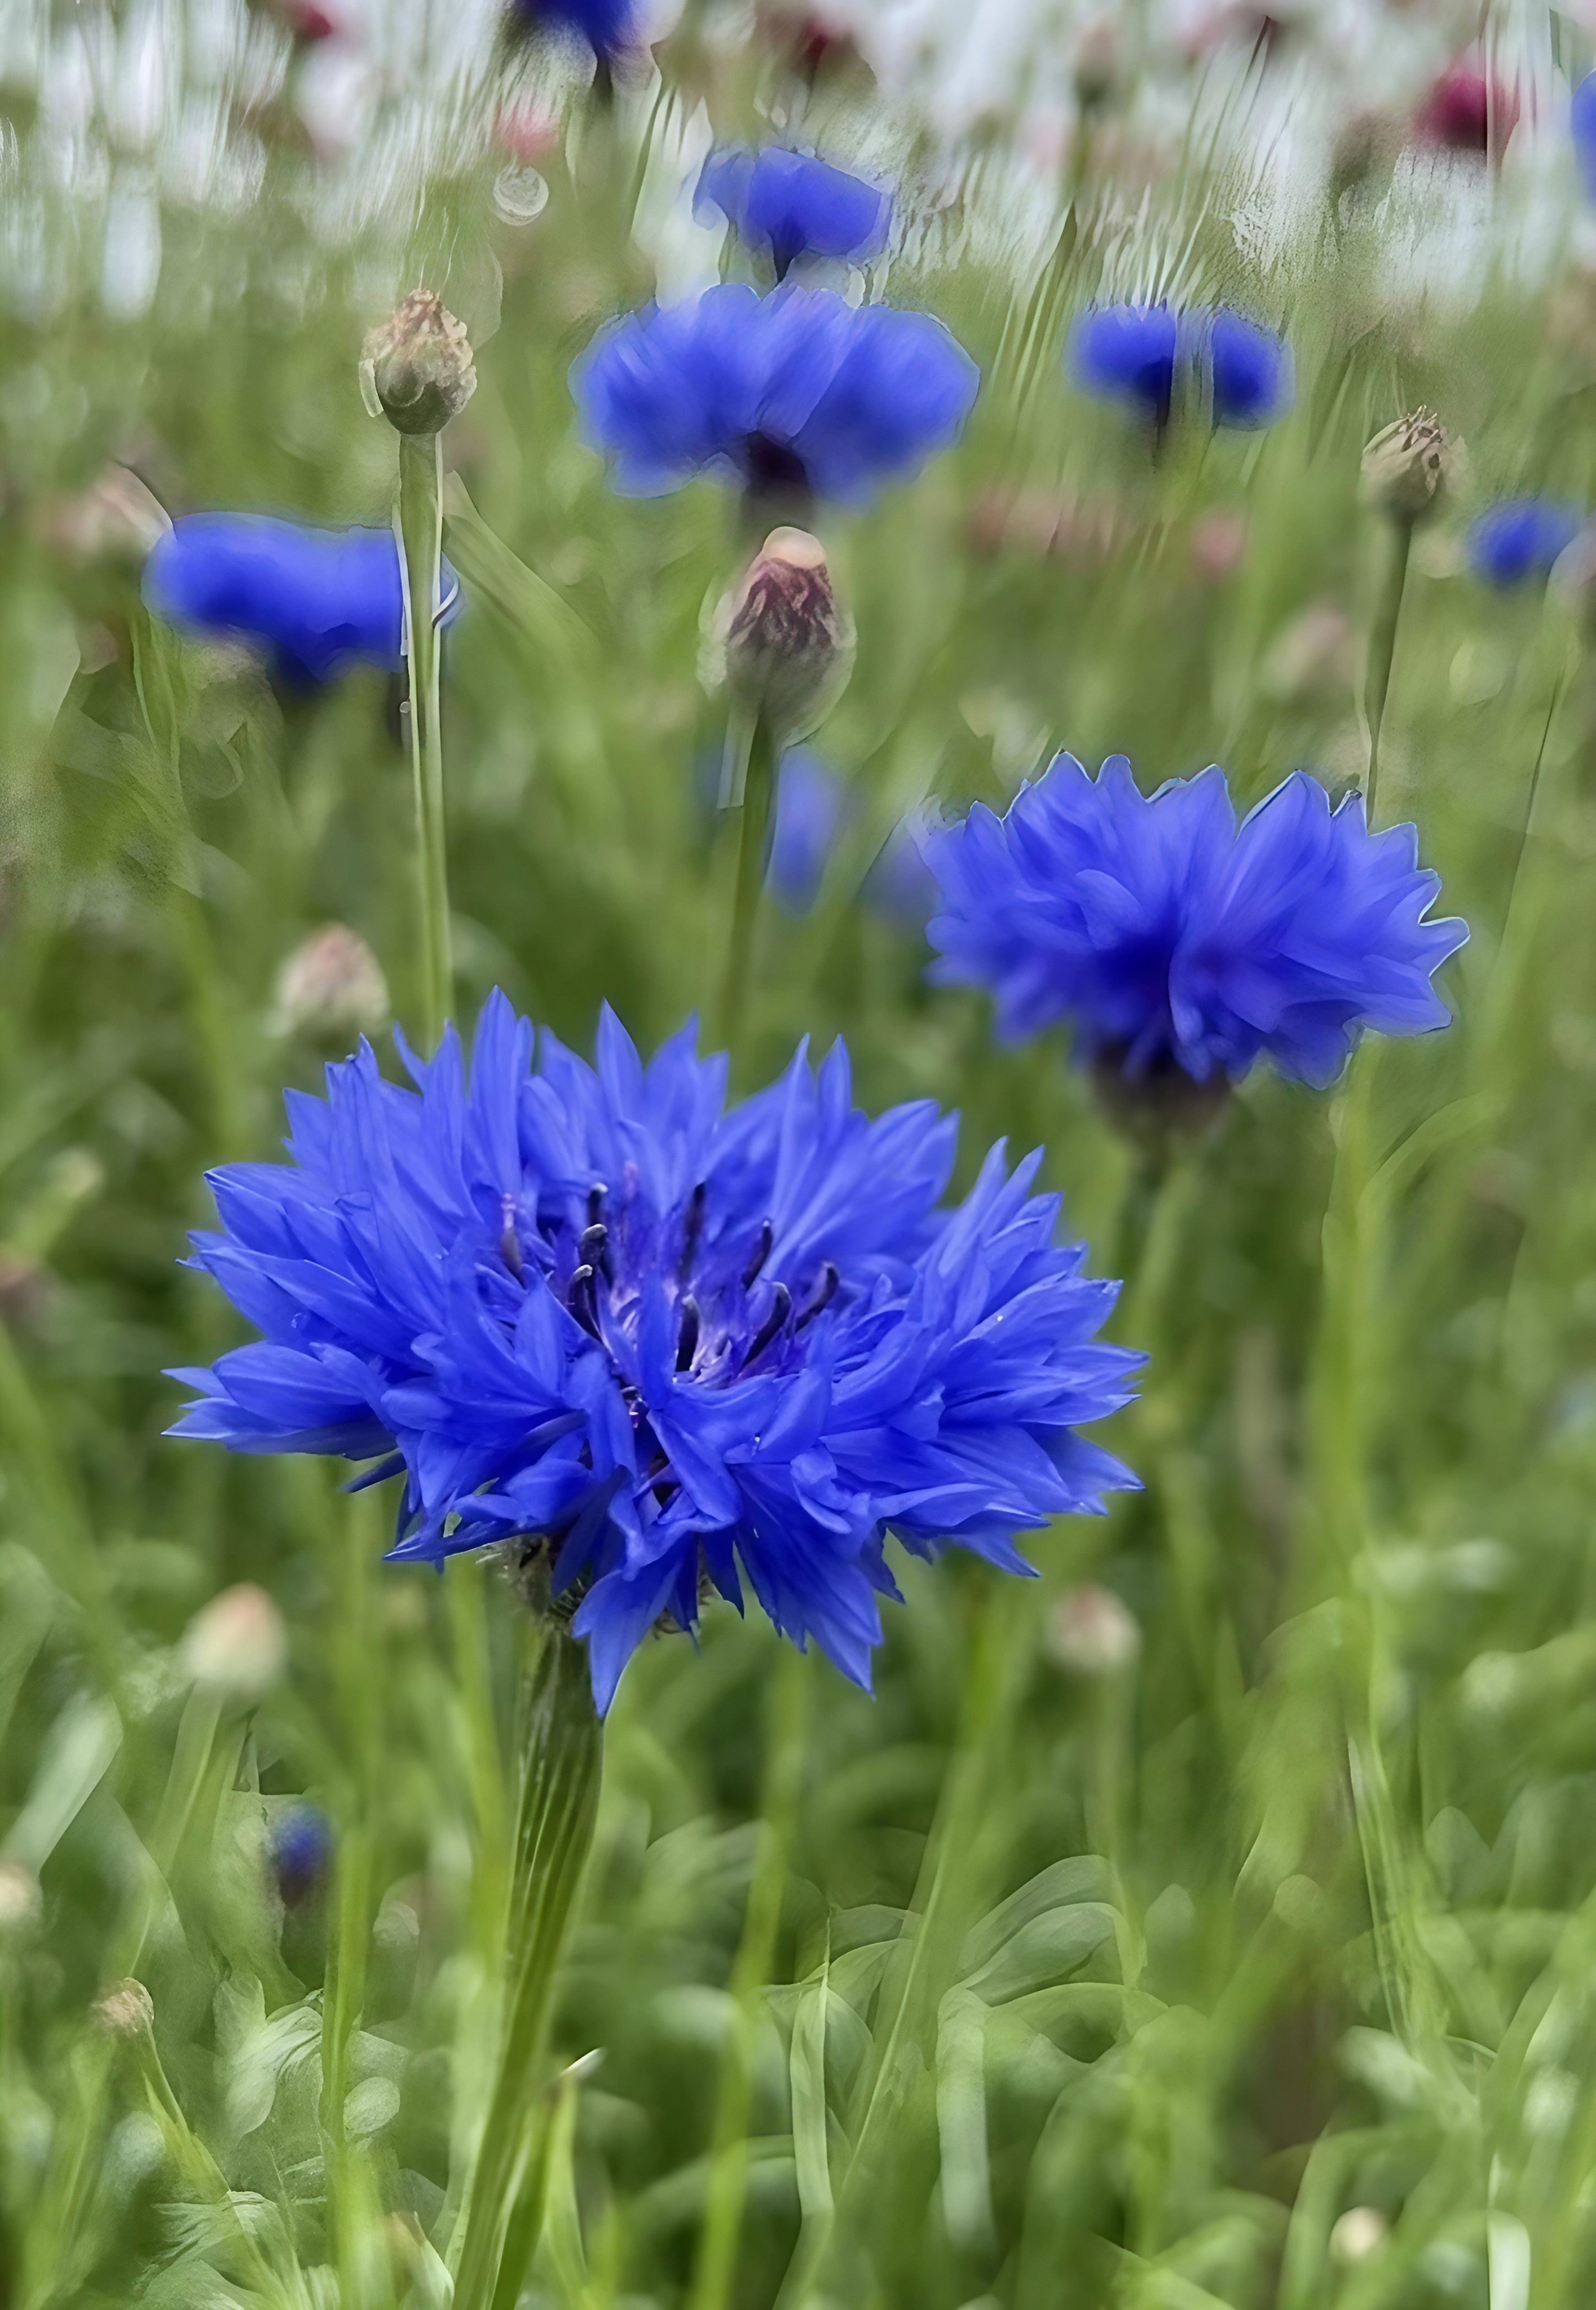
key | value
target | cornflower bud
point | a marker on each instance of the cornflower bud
(1091, 1632)
(789, 646)
(331, 985)
(1408, 467)
(125, 2010)
(1358, 2233)
(416, 370)
(236, 1646)
(22, 1903)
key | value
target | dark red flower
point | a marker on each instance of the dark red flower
(1468, 111)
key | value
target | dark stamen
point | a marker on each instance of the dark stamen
(595, 1202)
(509, 1242)
(594, 1248)
(781, 1308)
(687, 1344)
(821, 1297)
(580, 1300)
(761, 1253)
(692, 1228)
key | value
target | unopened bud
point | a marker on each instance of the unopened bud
(1092, 1633)
(236, 1646)
(1358, 2233)
(1313, 653)
(117, 517)
(125, 2010)
(1099, 58)
(331, 986)
(22, 1903)
(1408, 468)
(789, 647)
(416, 370)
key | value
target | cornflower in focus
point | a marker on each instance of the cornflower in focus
(1180, 947)
(1146, 354)
(652, 1344)
(797, 394)
(315, 601)
(1521, 539)
(792, 205)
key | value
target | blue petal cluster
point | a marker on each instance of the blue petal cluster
(1519, 539)
(1169, 936)
(1243, 373)
(792, 205)
(798, 387)
(315, 600)
(677, 1345)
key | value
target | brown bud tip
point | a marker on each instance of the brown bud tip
(789, 647)
(416, 370)
(331, 987)
(125, 2010)
(1409, 467)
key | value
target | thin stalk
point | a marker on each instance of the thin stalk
(563, 1758)
(951, 1886)
(418, 525)
(728, 2168)
(749, 801)
(1382, 649)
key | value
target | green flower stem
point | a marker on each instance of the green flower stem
(562, 1761)
(1382, 649)
(418, 525)
(954, 1881)
(786, 1727)
(753, 752)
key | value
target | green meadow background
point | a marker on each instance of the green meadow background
(1210, 1920)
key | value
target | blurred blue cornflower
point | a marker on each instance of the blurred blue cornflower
(812, 810)
(299, 1845)
(1582, 124)
(656, 1343)
(797, 392)
(315, 600)
(1171, 938)
(792, 205)
(609, 27)
(1242, 373)
(1520, 538)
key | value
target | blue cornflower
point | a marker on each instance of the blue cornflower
(791, 204)
(1250, 371)
(1582, 124)
(1169, 937)
(656, 1343)
(609, 27)
(796, 390)
(1520, 538)
(1242, 373)
(812, 809)
(300, 1846)
(1127, 353)
(316, 600)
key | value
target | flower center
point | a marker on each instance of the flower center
(730, 1314)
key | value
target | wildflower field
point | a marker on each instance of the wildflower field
(868, 1578)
